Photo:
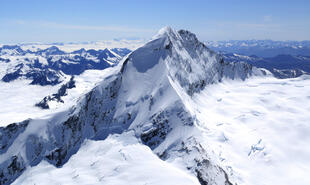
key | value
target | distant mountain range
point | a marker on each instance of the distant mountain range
(282, 66)
(285, 59)
(49, 66)
(261, 48)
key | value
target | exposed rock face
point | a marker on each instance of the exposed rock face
(11, 169)
(14, 165)
(146, 96)
(9, 133)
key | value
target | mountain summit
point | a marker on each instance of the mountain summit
(147, 94)
(186, 60)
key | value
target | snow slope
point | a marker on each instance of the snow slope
(117, 160)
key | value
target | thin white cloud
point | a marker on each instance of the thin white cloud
(56, 25)
(267, 18)
(237, 30)
(249, 26)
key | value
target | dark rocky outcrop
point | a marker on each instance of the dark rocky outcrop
(62, 91)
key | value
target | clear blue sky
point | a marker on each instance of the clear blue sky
(92, 20)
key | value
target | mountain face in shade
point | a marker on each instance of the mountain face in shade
(147, 94)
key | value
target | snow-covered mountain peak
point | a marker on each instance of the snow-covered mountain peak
(165, 31)
(11, 50)
(53, 50)
(184, 36)
(185, 60)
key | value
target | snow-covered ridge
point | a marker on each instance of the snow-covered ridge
(147, 94)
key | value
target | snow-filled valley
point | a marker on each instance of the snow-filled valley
(21, 105)
(170, 112)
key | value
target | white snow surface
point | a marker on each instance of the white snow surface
(118, 160)
(259, 128)
(17, 100)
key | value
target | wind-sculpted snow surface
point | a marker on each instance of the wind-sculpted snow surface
(147, 95)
